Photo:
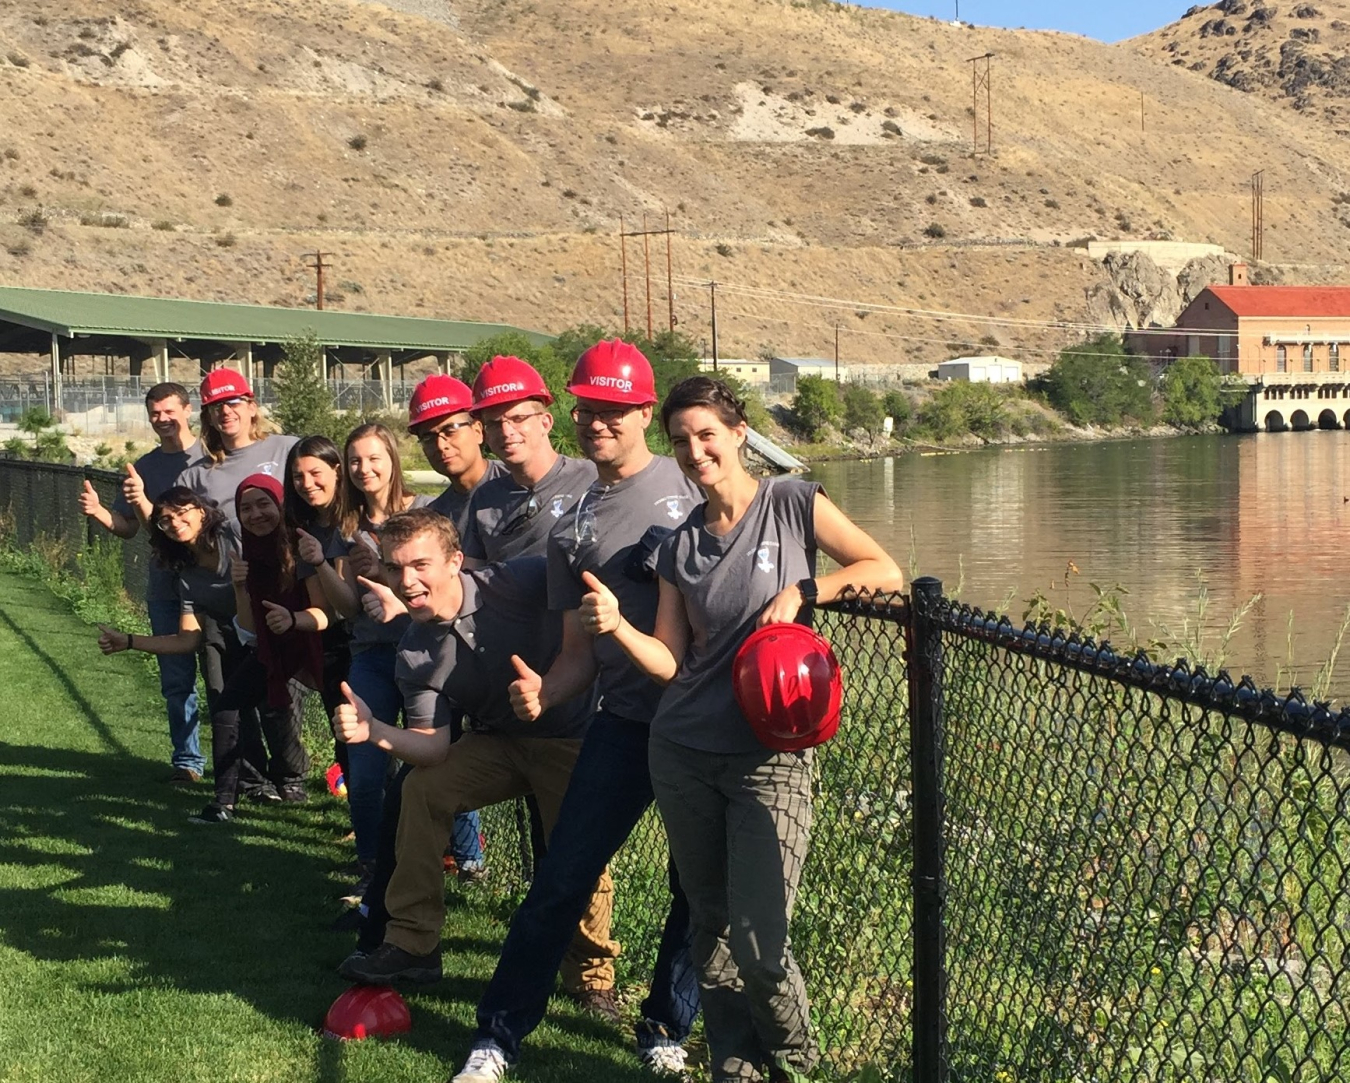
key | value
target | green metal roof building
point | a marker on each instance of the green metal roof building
(61, 325)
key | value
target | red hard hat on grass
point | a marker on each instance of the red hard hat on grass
(614, 371)
(505, 380)
(221, 384)
(439, 395)
(788, 685)
(367, 1011)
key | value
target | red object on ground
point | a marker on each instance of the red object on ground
(614, 371)
(439, 395)
(505, 380)
(337, 784)
(221, 384)
(788, 685)
(367, 1011)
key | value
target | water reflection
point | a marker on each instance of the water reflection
(1255, 514)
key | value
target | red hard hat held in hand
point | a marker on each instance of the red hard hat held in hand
(439, 395)
(505, 380)
(788, 685)
(221, 384)
(367, 1011)
(614, 371)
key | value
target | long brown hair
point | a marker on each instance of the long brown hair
(356, 499)
(299, 513)
(211, 438)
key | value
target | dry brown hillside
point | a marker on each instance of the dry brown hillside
(1294, 53)
(473, 159)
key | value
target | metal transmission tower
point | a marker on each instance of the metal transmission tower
(1258, 214)
(318, 267)
(980, 80)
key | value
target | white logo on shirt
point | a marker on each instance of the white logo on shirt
(674, 506)
(559, 505)
(763, 558)
(268, 468)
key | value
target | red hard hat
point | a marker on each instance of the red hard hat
(614, 371)
(438, 395)
(505, 380)
(367, 1011)
(221, 384)
(788, 686)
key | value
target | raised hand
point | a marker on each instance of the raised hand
(351, 720)
(309, 548)
(599, 609)
(89, 501)
(380, 603)
(525, 692)
(133, 486)
(111, 641)
(238, 571)
(280, 620)
(364, 560)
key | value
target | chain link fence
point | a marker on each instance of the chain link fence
(1032, 859)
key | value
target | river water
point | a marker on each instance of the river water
(1260, 514)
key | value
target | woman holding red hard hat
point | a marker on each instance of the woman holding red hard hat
(735, 790)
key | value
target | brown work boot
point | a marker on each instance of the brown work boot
(598, 1002)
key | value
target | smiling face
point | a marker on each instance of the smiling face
(258, 512)
(518, 432)
(233, 418)
(609, 433)
(169, 416)
(424, 578)
(707, 449)
(452, 445)
(314, 480)
(183, 525)
(369, 465)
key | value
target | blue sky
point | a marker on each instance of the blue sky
(1108, 20)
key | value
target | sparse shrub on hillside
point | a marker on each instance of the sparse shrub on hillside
(1052, 204)
(28, 191)
(724, 249)
(226, 240)
(357, 142)
(163, 225)
(18, 249)
(569, 193)
(890, 127)
(821, 132)
(105, 221)
(931, 199)
(933, 159)
(436, 84)
(34, 221)
(224, 200)
(935, 231)
(11, 154)
(17, 59)
(525, 106)
(978, 201)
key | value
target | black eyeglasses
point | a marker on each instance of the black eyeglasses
(582, 416)
(527, 511)
(433, 438)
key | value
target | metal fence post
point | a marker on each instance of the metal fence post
(926, 750)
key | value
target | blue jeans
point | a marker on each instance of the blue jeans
(178, 686)
(609, 791)
(372, 679)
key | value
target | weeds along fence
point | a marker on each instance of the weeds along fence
(1034, 860)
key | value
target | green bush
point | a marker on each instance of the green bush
(862, 410)
(815, 405)
(897, 406)
(1098, 383)
(1191, 392)
(304, 405)
(959, 407)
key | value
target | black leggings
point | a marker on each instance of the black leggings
(240, 719)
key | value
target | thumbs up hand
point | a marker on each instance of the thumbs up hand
(364, 559)
(351, 720)
(89, 501)
(279, 619)
(309, 548)
(133, 487)
(526, 698)
(238, 571)
(599, 609)
(380, 603)
(111, 641)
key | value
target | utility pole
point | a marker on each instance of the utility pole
(670, 280)
(980, 80)
(712, 292)
(1258, 214)
(318, 267)
(623, 262)
(647, 264)
(836, 353)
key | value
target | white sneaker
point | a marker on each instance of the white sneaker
(486, 1064)
(664, 1060)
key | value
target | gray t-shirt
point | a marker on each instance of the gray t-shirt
(726, 583)
(218, 481)
(160, 470)
(454, 505)
(365, 631)
(507, 520)
(464, 664)
(201, 590)
(334, 545)
(606, 534)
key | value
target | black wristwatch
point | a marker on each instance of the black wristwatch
(809, 591)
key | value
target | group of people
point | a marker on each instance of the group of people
(553, 628)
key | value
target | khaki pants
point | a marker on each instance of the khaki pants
(481, 770)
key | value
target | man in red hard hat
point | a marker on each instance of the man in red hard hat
(440, 416)
(612, 532)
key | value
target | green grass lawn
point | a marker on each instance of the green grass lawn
(137, 946)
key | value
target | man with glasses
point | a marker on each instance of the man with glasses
(149, 476)
(612, 533)
(235, 441)
(451, 438)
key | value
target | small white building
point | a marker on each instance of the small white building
(753, 372)
(981, 370)
(784, 371)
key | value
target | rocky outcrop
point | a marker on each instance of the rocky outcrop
(1139, 293)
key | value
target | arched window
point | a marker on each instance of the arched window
(1307, 357)
(1334, 357)
(1280, 359)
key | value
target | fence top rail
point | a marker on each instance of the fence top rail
(1290, 713)
(887, 605)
